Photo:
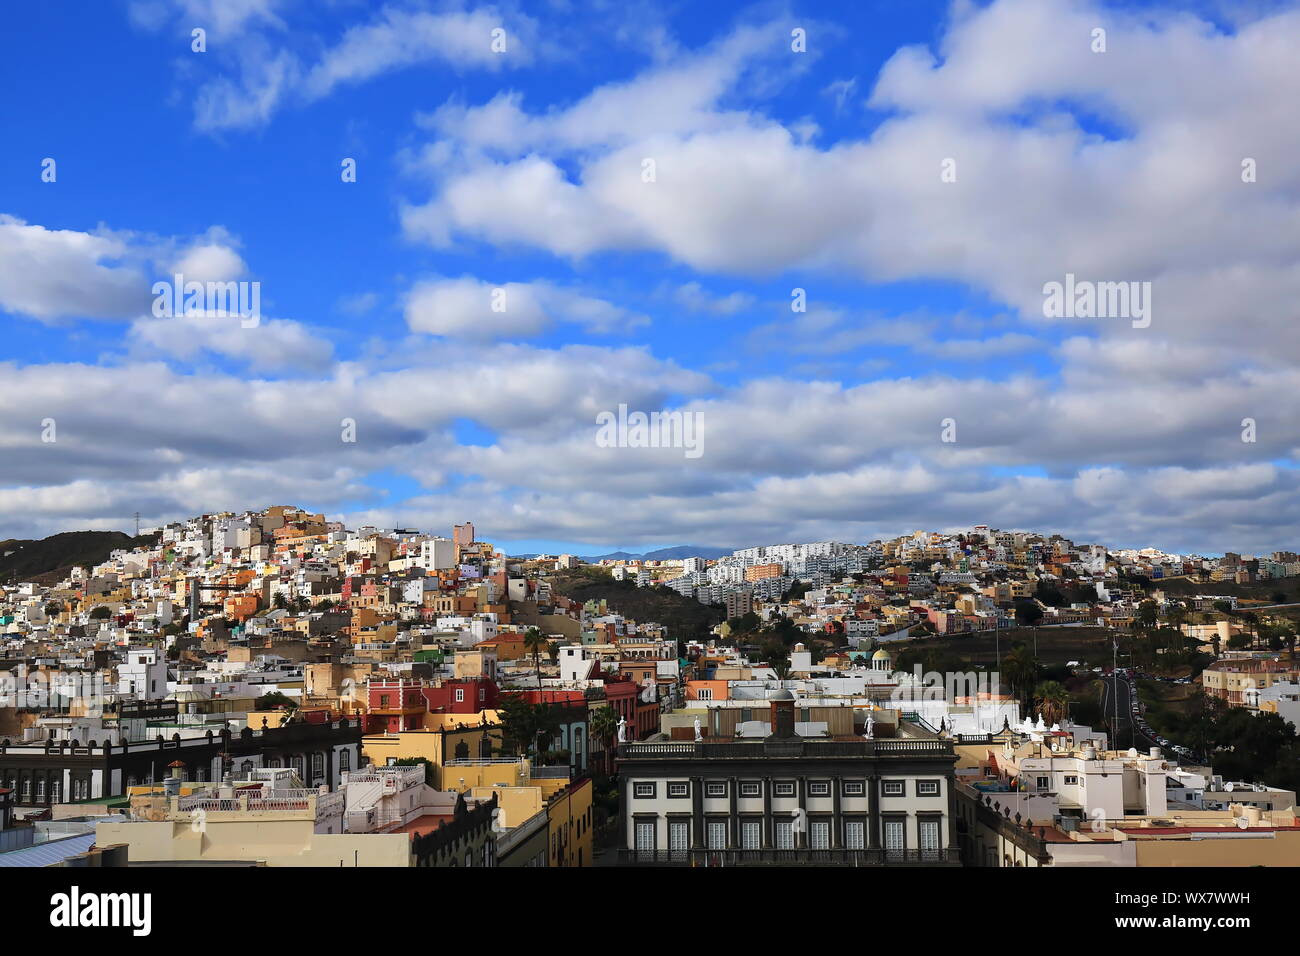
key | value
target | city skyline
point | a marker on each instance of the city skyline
(828, 241)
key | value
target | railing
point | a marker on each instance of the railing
(282, 801)
(804, 857)
(515, 835)
(805, 746)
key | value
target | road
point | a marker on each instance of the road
(1128, 733)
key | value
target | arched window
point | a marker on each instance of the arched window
(462, 750)
(345, 759)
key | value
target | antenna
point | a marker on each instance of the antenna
(137, 524)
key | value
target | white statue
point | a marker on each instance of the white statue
(698, 736)
(622, 730)
(1040, 726)
(871, 727)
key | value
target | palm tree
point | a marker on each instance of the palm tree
(535, 642)
(1053, 701)
(1020, 671)
(603, 725)
(547, 722)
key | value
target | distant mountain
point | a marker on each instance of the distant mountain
(663, 554)
(52, 557)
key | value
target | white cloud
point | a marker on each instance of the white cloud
(470, 308)
(52, 274)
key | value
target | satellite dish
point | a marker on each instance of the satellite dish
(1242, 823)
(1227, 787)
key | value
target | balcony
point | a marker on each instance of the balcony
(801, 857)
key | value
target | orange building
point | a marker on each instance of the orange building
(757, 572)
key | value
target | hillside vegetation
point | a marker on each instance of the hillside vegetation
(684, 617)
(47, 560)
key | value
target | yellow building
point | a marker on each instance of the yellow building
(570, 821)
(285, 828)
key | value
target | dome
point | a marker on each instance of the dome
(780, 695)
(881, 655)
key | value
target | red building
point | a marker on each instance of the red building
(395, 705)
(642, 717)
(466, 695)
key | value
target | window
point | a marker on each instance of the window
(643, 790)
(704, 693)
(751, 789)
(717, 834)
(1071, 780)
(345, 760)
(715, 789)
(893, 788)
(679, 835)
(751, 834)
(854, 833)
(784, 830)
(460, 695)
(928, 831)
(1043, 783)
(854, 788)
(645, 836)
(819, 789)
(893, 834)
(927, 788)
(819, 835)
(679, 789)
(785, 789)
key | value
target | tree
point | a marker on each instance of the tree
(535, 642)
(603, 726)
(547, 724)
(1028, 612)
(780, 667)
(53, 608)
(1147, 615)
(1053, 701)
(518, 724)
(1020, 671)
(100, 613)
(272, 701)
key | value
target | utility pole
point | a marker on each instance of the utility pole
(137, 524)
(1114, 678)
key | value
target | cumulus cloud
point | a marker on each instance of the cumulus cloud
(470, 308)
(51, 274)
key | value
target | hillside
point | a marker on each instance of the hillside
(48, 559)
(1255, 591)
(684, 617)
(663, 554)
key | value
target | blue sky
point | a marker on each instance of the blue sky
(776, 169)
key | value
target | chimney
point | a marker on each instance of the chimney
(782, 703)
